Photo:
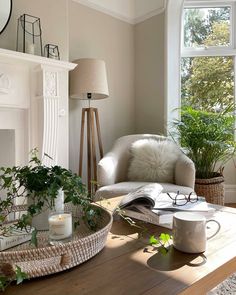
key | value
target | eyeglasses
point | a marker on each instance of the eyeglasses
(181, 200)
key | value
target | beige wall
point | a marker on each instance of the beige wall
(149, 75)
(92, 34)
(97, 35)
(54, 21)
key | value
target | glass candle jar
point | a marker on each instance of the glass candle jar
(60, 227)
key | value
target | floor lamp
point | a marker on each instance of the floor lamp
(89, 81)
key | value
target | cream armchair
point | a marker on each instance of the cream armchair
(113, 170)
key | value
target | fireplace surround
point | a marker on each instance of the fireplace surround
(33, 107)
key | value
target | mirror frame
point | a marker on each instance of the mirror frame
(8, 18)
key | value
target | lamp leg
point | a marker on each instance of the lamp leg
(93, 149)
(92, 126)
(81, 143)
(99, 133)
(89, 149)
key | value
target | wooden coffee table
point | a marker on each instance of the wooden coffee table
(128, 266)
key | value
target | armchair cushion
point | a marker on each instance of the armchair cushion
(153, 160)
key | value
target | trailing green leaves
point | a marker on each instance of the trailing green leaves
(34, 240)
(5, 279)
(4, 282)
(20, 275)
(162, 242)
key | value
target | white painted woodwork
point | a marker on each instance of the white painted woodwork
(131, 11)
(145, 9)
(34, 103)
(172, 60)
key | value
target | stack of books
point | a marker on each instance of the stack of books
(11, 236)
(149, 204)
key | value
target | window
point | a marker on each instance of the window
(208, 57)
(208, 83)
(204, 27)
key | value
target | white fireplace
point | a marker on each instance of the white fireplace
(33, 108)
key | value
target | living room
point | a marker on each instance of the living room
(140, 43)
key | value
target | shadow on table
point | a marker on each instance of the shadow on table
(175, 259)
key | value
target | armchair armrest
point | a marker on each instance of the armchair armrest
(185, 172)
(112, 168)
(107, 169)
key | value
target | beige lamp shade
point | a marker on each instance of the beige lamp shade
(89, 77)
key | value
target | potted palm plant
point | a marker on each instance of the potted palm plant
(208, 139)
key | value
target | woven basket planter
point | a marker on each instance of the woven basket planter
(46, 259)
(212, 189)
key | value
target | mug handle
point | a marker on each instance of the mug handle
(219, 227)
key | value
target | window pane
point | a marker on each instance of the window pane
(205, 27)
(207, 83)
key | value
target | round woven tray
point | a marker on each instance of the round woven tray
(47, 259)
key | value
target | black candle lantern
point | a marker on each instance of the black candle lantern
(29, 35)
(51, 51)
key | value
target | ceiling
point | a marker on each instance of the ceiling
(132, 11)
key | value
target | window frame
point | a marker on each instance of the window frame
(212, 50)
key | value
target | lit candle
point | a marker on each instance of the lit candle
(60, 226)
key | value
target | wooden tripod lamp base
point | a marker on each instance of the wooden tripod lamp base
(89, 81)
(93, 127)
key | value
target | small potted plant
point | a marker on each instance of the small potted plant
(39, 185)
(208, 139)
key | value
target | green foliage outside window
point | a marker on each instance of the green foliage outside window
(199, 26)
(207, 82)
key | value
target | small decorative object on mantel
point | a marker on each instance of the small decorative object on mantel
(51, 51)
(29, 35)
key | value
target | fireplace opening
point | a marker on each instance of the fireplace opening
(7, 148)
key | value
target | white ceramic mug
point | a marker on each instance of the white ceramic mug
(189, 232)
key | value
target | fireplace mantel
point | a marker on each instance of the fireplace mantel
(34, 103)
(30, 60)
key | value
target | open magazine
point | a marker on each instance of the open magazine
(145, 195)
(149, 204)
(138, 204)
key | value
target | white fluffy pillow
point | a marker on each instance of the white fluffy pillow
(153, 160)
